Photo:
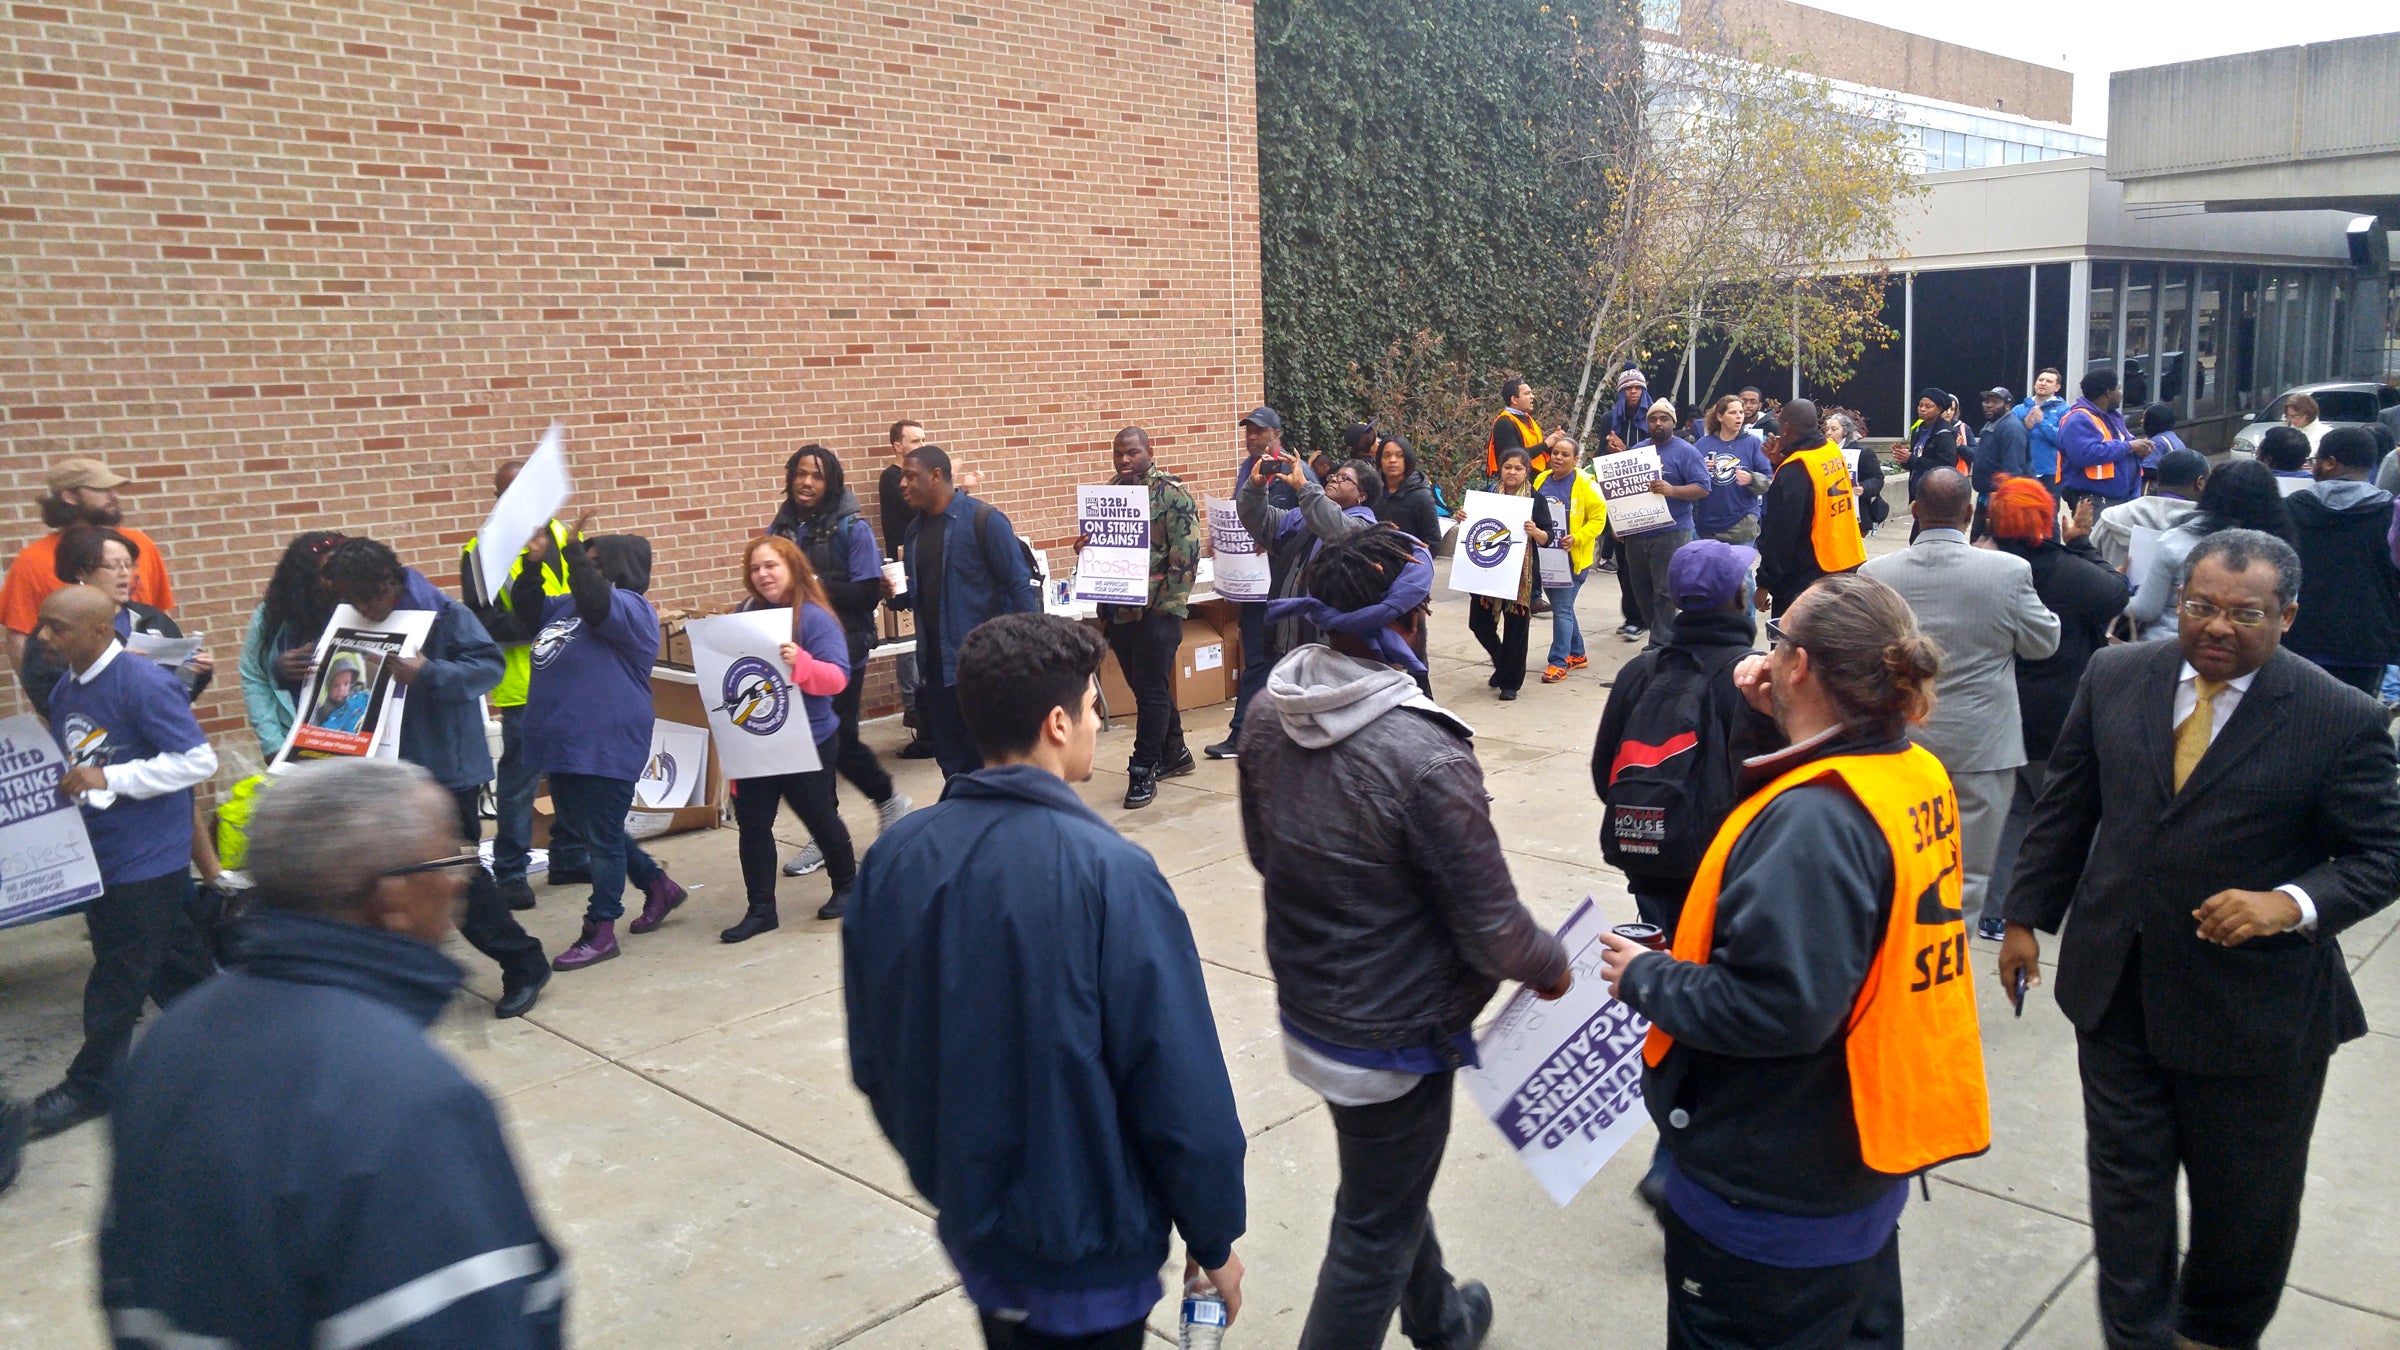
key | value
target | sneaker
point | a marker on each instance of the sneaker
(807, 860)
(1991, 930)
(1631, 632)
(756, 920)
(1578, 662)
(1608, 565)
(598, 944)
(1229, 748)
(1553, 674)
(1140, 790)
(518, 893)
(660, 899)
(887, 814)
(1476, 1300)
(60, 1109)
(916, 749)
(16, 1122)
(835, 907)
(1178, 764)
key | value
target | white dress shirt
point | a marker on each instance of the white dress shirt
(2229, 697)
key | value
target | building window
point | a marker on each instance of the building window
(2174, 337)
(2138, 378)
(2210, 356)
(2100, 334)
(1663, 16)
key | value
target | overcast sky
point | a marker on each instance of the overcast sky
(2093, 37)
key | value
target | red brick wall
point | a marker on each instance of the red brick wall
(300, 266)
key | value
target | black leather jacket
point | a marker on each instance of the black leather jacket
(1391, 919)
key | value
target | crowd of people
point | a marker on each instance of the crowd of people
(2104, 681)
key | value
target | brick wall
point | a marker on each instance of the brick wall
(297, 266)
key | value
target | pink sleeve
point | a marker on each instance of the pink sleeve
(821, 678)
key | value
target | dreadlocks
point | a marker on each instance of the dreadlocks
(1358, 570)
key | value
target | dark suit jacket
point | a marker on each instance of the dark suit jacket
(2298, 787)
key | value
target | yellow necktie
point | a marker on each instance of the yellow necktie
(2191, 739)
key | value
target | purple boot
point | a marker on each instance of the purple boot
(598, 944)
(663, 896)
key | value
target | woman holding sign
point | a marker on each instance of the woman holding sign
(1501, 625)
(818, 656)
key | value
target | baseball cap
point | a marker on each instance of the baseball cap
(1708, 573)
(1265, 418)
(68, 474)
(2000, 392)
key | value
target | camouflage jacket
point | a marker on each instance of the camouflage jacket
(1174, 548)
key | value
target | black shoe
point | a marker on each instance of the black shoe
(60, 1109)
(1177, 765)
(15, 1123)
(1508, 696)
(1651, 1190)
(1631, 632)
(916, 749)
(518, 1001)
(570, 876)
(1140, 790)
(1229, 748)
(1477, 1301)
(759, 919)
(518, 893)
(836, 907)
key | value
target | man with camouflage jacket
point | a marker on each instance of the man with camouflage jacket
(1145, 638)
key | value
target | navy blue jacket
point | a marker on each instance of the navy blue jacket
(442, 731)
(1028, 1020)
(2001, 448)
(290, 1155)
(983, 577)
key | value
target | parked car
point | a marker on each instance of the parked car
(2340, 403)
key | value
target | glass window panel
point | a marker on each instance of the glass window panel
(2100, 333)
(2240, 358)
(2140, 315)
(2174, 332)
(2012, 153)
(1978, 152)
(2209, 364)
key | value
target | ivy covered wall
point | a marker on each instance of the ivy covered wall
(1426, 165)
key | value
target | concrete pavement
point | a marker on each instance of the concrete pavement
(685, 1120)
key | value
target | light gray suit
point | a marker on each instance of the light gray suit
(1979, 605)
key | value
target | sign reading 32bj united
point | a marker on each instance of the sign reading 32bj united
(754, 713)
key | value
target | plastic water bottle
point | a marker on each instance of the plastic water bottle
(1203, 1323)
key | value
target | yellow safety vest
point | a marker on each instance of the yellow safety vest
(517, 657)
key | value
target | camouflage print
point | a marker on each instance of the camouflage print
(1174, 548)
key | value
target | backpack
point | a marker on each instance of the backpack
(1672, 783)
(983, 544)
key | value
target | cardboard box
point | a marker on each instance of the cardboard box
(897, 623)
(674, 645)
(1116, 696)
(1226, 618)
(1200, 667)
(671, 700)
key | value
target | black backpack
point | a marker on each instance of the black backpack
(1672, 783)
(1033, 565)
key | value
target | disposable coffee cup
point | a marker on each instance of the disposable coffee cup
(1648, 934)
(897, 575)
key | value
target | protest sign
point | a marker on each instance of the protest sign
(2291, 486)
(46, 861)
(351, 705)
(1114, 566)
(1241, 568)
(677, 772)
(1558, 568)
(754, 714)
(1624, 479)
(1490, 559)
(172, 653)
(529, 505)
(1562, 1079)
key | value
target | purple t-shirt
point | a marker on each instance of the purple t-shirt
(1681, 466)
(588, 708)
(1728, 501)
(133, 710)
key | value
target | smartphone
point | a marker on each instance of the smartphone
(2016, 994)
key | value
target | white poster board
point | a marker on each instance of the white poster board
(2292, 486)
(2141, 545)
(173, 653)
(351, 704)
(1624, 479)
(1490, 558)
(1241, 570)
(1562, 1080)
(531, 503)
(46, 861)
(677, 772)
(1114, 566)
(754, 714)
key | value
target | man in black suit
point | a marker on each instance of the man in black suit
(2217, 811)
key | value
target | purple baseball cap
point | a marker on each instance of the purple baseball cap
(1708, 573)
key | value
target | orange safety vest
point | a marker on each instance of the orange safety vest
(1833, 521)
(2098, 473)
(1915, 1051)
(1526, 427)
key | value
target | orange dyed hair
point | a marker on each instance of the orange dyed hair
(2021, 508)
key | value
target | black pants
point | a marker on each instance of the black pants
(939, 722)
(1628, 603)
(856, 762)
(143, 947)
(1660, 904)
(1503, 638)
(1718, 1301)
(1382, 1252)
(999, 1335)
(2242, 1145)
(1145, 651)
(487, 924)
(1257, 663)
(810, 795)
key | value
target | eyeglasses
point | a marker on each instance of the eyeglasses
(112, 567)
(462, 859)
(1777, 637)
(2200, 611)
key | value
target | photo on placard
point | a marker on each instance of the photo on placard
(346, 700)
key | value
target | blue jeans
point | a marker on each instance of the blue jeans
(512, 832)
(591, 812)
(1566, 631)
